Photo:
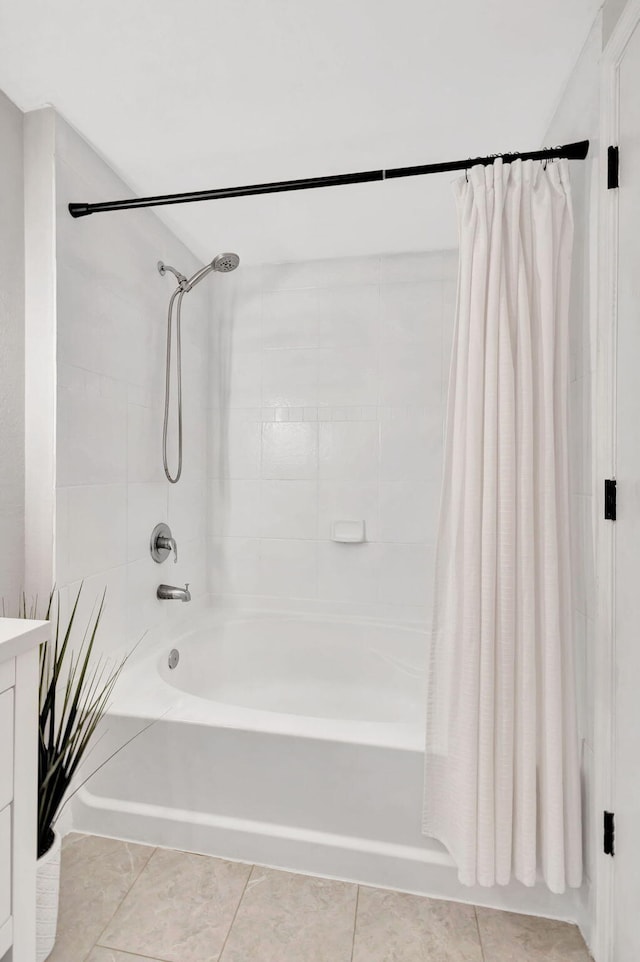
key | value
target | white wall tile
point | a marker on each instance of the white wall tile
(411, 313)
(349, 451)
(111, 636)
(406, 574)
(243, 380)
(143, 611)
(348, 317)
(235, 566)
(146, 507)
(236, 509)
(290, 319)
(351, 416)
(112, 313)
(91, 433)
(191, 569)
(406, 377)
(411, 447)
(246, 328)
(348, 501)
(349, 572)
(96, 530)
(408, 511)
(290, 451)
(348, 375)
(93, 325)
(289, 378)
(422, 266)
(187, 510)
(195, 439)
(236, 449)
(321, 273)
(288, 569)
(288, 509)
(144, 445)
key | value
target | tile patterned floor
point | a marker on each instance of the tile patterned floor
(130, 903)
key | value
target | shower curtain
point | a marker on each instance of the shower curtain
(502, 785)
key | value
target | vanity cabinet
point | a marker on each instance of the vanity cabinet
(19, 643)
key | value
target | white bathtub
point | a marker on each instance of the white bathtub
(345, 680)
(289, 741)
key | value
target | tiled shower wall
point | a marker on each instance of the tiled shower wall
(111, 329)
(328, 387)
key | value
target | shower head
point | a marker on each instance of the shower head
(223, 263)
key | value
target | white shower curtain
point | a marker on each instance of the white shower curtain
(502, 786)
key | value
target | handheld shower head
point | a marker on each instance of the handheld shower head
(223, 263)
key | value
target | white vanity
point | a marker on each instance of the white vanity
(19, 641)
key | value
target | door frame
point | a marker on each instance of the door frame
(602, 896)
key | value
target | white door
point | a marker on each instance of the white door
(626, 865)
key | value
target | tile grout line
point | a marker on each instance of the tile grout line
(355, 922)
(235, 914)
(475, 915)
(132, 955)
(97, 943)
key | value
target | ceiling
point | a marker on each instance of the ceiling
(194, 94)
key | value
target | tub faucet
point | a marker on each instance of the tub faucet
(171, 593)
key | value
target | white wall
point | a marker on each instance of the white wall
(111, 330)
(577, 117)
(611, 12)
(328, 382)
(11, 355)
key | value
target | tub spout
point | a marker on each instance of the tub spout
(171, 593)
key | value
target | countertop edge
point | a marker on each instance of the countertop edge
(18, 635)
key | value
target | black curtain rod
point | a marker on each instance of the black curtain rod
(577, 151)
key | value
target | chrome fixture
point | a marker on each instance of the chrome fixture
(163, 543)
(171, 593)
(224, 263)
(163, 268)
(174, 658)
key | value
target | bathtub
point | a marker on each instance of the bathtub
(289, 741)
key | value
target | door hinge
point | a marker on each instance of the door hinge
(613, 167)
(610, 499)
(609, 834)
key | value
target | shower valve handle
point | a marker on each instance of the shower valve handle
(169, 544)
(163, 543)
